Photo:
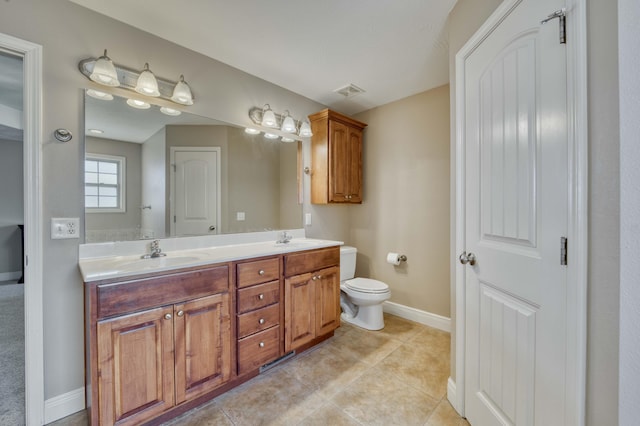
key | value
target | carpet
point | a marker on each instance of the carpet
(12, 354)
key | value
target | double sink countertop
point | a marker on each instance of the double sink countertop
(98, 267)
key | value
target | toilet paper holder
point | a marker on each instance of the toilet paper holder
(403, 258)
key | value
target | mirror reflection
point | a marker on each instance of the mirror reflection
(152, 175)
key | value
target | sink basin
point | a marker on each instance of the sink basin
(156, 262)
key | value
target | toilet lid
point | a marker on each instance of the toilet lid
(367, 285)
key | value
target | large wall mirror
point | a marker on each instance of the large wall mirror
(151, 175)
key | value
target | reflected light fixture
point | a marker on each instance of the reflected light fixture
(268, 117)
(100, 95)
(170, 111)
(104, 72)
(285, 139)
(147, 83)
(271, 136)
(96, 131)
(251, 131)
(135, 103)
(182, 93)
(288, 124)
(305, 130)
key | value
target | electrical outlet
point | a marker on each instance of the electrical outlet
(307, 219)
(65, 227)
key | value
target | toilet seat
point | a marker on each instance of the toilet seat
(366, 285)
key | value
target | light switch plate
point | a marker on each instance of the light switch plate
(307, 219)
(240, 216)
(65, 227)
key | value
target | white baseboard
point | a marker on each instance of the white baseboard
(10, 276)
(452, 396)
(417, 315)
(64, 405)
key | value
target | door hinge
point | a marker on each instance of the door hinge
(563, 251)
(174, 219)
(174, 167)
(562, 17)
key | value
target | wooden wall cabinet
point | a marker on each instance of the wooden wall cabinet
(336, 158)
(312, 296)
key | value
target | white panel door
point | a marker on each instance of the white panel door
(516, 195)
(195, 192)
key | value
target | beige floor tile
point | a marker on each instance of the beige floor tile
(383, 399)
(398, 328)
(368, 347)
(424, 367)
(328, 369)
(445, 415)
(209, 414)
(80, 418)
(276, 397)
(329, 414)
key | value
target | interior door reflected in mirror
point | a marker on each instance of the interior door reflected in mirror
(151, 175)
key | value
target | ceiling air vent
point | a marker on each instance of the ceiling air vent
(349, 91)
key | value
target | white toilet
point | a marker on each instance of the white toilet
(360, 298)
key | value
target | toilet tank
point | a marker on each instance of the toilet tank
(347, 262)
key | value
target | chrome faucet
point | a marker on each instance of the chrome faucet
(156, 251)
(284, 238)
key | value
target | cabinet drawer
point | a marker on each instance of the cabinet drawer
(259, 271)
(258, 349)
(135, 295)
(261, 319)
(258, 296)
(307, 261)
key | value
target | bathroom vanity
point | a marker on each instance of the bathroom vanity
(165, 336)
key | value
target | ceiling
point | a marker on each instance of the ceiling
(391, 49)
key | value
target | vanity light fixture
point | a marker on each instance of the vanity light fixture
(96, 131)
(252, 131)
(170, 111)
(138, 104)
(147, 83)
(268, 117)
(104, 72)
(182, 93)
(107, 73)
(288, 124)
(271, 136)
(305, 130)
(100, 95)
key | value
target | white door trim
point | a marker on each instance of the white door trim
(172, 183)
(32, 153)
(578, 206)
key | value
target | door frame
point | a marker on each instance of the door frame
(577, 131)
(172, 183)
(32, 153)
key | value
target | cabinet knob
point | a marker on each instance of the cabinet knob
(261, 272)
(314, 278)
(261, 296)
(167, 316)
(319, 276)
(261, 344)
(180, 313)
(261, 321)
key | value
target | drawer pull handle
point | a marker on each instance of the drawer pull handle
(167, 316)
(180, 313)
(261, 344)
(261, 272)
(261, 320)
(261, 296)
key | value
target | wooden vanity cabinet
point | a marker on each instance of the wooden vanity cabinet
(146, 360)
(258, 313)
(336, 158)
(312, 296)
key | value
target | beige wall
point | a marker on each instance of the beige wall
(603, 270)
(69, 33)
(406, 200)
(154, 178)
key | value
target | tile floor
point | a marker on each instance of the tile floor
(396, 376)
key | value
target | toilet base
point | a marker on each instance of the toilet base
(368, 317)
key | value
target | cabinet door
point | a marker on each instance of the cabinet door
(327, 300)
(339, 167)
(135, 366)
(203, 345)
(355, 166)
(300, 311)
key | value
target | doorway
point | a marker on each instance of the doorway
(30, 57)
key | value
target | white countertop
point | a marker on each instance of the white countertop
(107, 267)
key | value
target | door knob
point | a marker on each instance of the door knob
(212, 228)
(469, 258)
